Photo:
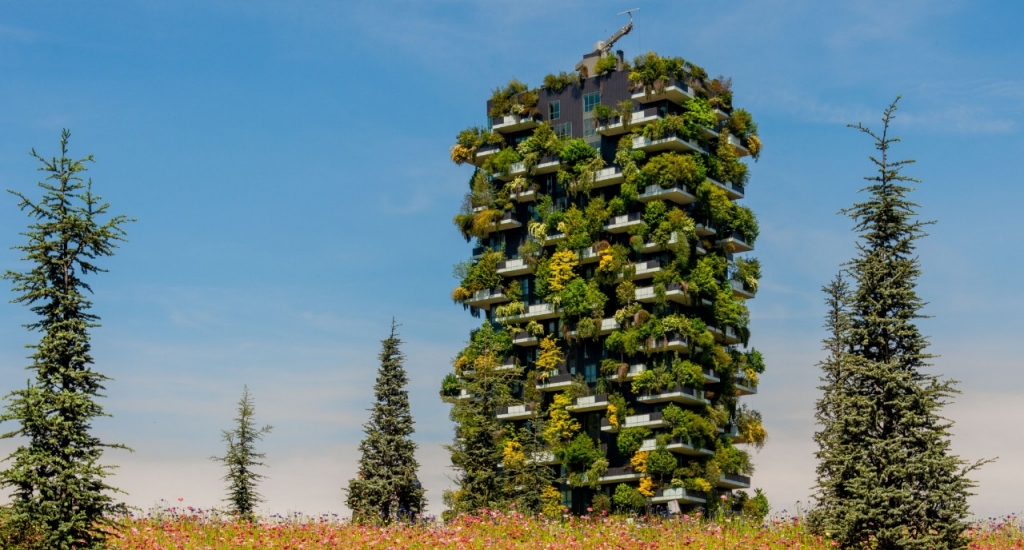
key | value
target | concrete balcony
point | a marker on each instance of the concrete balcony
(589, 403)
(617, 475)
(646, 270)
(737, 145)
(515, 266)
(673, 342)
(732, 433)
(525, 339)
(637, 119)
(555, 382)
(513, 123)
(588, 255)
(667, 143)
(704, 230)
(484, 153)
(652, 420)
(677, 446)
(735, 191)
(486, 297)
(735, 243)
(463, 394)
(733, 481)
(744, 386)
(608, 326)
(676, 194)
(552, 238)
(679, 394)
(674, 292)
(544, 457)
(727, 336)
(675, 91)
(741, 289)
(536, 312)
(710, 376)
(621, 224)
(525, 195)
(677, 494)
(604, 177)
(508, 365)
(632, 372)
(546, 165)
(516, 412)
(655, 247)
(508, 221)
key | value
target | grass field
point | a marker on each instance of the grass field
(195, 530)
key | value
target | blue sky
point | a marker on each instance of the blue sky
(288, 166)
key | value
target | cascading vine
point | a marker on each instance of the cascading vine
(608, 369)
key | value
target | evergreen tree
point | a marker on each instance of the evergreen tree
(387, 489)
(57, 483)
(886, 472)
(241, 458)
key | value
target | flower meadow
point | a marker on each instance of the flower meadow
(193, 529)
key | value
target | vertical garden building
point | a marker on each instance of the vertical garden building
(611, 269)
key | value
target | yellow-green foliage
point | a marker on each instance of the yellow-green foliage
(561, 426)
(550, 354)
(561, 269)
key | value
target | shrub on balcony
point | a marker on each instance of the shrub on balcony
(514, 98)
(558, 82)
(670, 169)
(609, 62)
(502, 161)
(748, 271)
(630, 440)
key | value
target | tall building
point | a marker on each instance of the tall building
(611, 270)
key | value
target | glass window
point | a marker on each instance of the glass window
(590, 101)
(563, 130)
(590, 372)
(554, 110)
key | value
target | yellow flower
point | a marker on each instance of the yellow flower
(639, 461)
(646, 487)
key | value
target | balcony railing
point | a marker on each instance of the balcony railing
(536, 312)
(546, 165)
(670, 142)
(651, 420)
(607, 326)
(741, 289)
(482, 153)
(674, 292)
(734, 481)
(524, 338)
(735, 191)
(515, 266)
(618, 475)
(678, 494)
(727, 336)
(737, 146)
(589, 403)
(614, 125)
(672, 342)
(678, 445)
(513, 123)
(608, 176)
(619, 224)
(735, 243)
(678, 394)
(676, 194)
(675, 91)
(486, 297)
(516, 412)
(555, 382)
(704, 229)
(744, 386)
(508, 221)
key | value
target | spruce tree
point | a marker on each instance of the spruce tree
(387, 489)
(56, 480)
(886, 473)
(241, 458)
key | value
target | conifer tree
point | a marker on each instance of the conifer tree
(885, 470)
(241, 458)
(57, 483)
(387, 489)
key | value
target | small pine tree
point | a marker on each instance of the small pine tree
(886, 475)
(241, 458)
(58, 491)
(387, 489)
